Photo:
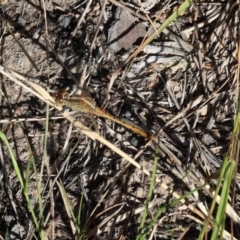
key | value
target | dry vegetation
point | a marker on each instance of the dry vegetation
(93, 178)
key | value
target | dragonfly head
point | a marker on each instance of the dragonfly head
(61, 97)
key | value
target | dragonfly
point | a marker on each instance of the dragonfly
(86, 105)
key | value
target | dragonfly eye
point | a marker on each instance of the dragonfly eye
(65, 96)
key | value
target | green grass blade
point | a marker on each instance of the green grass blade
(219, 224)
(13, 159)
(149, 196)
(225, 178)
(166, 23)
(164, 208)
(24, 187)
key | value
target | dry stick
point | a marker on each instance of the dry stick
(129, 10)
(195, 103)
(98, 25)
(82, 18)
(84, 71)
(32, 119)
(62, 63)
(215, 32)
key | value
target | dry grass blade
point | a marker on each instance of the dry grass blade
(33, 88)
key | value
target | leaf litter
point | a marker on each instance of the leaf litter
(181, 87)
